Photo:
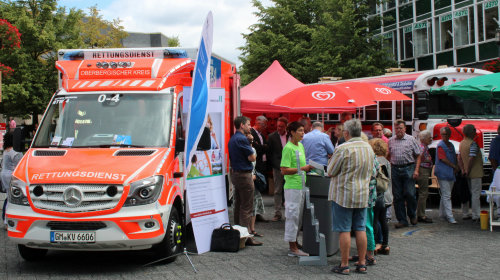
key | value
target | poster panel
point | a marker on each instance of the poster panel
(205, 180)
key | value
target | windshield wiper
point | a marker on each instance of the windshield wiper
(59, 146)
(119, 145)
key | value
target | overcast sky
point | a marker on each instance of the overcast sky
(181, 18)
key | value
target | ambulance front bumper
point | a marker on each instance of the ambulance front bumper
(131, 228)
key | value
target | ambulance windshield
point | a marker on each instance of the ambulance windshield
(106, 120)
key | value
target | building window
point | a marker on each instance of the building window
(323, 117)
(371, 113)
(480, 22)
(389, 18)
(385, 110)
(407, 41)
(461, 34)
(444, 39)
(405, 12)
(390, 43)
(421, 35)
(438, 4)
(490, 19)
(386, 5)
(423, 7)
(389, 4)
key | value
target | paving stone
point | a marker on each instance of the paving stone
(432, 251)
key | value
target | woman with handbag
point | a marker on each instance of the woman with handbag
(384, 197)
(294, 192)
(258, 202)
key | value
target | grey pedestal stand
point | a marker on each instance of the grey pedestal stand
(322, 258)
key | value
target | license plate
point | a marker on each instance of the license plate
(72, 237)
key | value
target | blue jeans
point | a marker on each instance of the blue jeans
(403, 190)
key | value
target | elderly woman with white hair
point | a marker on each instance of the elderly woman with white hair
(424, 173)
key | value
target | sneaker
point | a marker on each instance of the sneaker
(452, 221)
(298, 253)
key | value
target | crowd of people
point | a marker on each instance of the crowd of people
(367, 178)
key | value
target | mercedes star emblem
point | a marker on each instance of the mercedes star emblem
(73, 196)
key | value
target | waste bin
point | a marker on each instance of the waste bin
(318, 188)
(484, 219)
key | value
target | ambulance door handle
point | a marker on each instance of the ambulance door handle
(178, 174)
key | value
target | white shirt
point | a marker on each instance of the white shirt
(261, 141)
(283, 140)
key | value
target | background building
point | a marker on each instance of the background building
(144, 40)
(424, 34)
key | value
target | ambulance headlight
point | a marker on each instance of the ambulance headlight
(144, 191)
(17, 192)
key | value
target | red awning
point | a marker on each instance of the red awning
(256, 97)
(324, 98)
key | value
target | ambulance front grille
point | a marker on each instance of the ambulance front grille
(62, 225)
(83, 198)
(487, 138)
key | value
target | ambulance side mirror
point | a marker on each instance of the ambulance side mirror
(179, 145)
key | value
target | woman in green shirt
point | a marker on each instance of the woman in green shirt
(294, 194)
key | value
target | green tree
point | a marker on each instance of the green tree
(173, 41)
(100, 33)
(45, 28)
(313, 38)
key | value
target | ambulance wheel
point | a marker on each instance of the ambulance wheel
(31, 254)
(172, 242)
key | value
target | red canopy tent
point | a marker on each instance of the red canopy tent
(256, 97)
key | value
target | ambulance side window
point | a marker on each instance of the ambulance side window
(180, 133)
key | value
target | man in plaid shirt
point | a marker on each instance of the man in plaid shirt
(404, 152)
(351, 168)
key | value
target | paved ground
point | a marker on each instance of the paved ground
(435, 251)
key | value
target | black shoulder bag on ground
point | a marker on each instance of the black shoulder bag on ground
(225, 239)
